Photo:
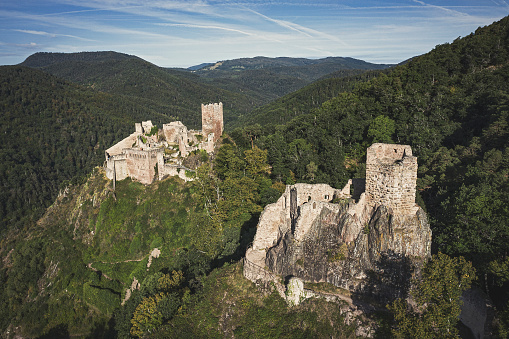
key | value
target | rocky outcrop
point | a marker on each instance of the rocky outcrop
(320, 234)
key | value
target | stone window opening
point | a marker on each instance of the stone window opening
(326, 197)
(309, 198)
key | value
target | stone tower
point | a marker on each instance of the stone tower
(212, 120)
(391, 175)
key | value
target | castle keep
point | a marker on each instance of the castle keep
(146, 155)
(391, 175)
(212, 120)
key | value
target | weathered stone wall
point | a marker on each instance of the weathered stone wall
(212, 120)
(146, 126)
(173, 170)
(174, 131)
(141, 164)
(391, 175)
(117, 165)
(139, 160)
(283, 214)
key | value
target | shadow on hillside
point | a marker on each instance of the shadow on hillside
(245, 239)
(60, 331)
(388, 281)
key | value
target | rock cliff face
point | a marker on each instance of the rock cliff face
(320, 234)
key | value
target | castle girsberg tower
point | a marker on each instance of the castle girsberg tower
(212, 120)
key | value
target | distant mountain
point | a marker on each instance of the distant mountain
(176, 93)
(260, 62)
(242, 84)
(46, 59)
(197, 67)
(269, 78)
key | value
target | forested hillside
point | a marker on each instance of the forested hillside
(305, 100)
(451, 106)
(70, 273)
(170, 92)
(51, 132)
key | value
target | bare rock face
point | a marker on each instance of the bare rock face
(378, 261)
(358, 242)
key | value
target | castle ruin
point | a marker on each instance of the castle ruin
(146, 155)
(321, 234)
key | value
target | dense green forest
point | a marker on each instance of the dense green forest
(305, 100)
(68, 274)
(241, 84)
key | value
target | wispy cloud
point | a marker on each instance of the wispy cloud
(206, 27)
(308, 32)
(51, 35)
(442, 8)
(190, 31)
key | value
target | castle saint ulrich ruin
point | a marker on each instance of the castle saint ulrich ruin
(149, 154)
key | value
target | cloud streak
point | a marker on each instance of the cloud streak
(206, 27)
(51, 35)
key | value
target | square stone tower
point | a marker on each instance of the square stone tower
(212, 120)
(391, 175)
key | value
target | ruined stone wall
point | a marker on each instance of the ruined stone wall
(147, 126)
(391, 175)
(212, 120)
(208, 144)
(116, 164)
(173, 170)
(141, 164)
(317, 192)
(174, 131)
(283, 214)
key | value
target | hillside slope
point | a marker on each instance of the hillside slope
(306, 99)
(52, 131)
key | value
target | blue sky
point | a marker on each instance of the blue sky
(185, 33)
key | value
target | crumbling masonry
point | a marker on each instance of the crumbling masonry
(145, 157)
